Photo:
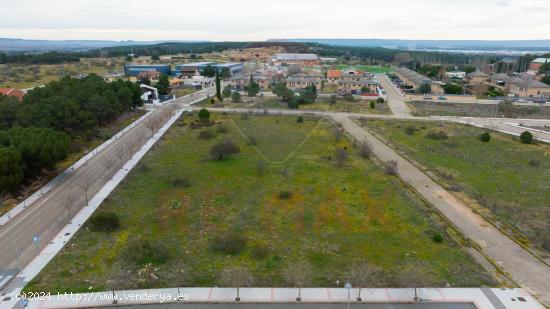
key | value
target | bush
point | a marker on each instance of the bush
(145, 251)
(285, 195)
(437, 135)
(534, 162)
(225, 148)
(231, 243)
(438, 238)
(181, 182)
(236, 97)
(410, 130)
(485, 137)
(259, 251)
(526, 137)
(206, 135)
(222, 129)
(204, 115)
(252, 141)
(105, 221)
(372, 104)
(300, 119)
(380, 100)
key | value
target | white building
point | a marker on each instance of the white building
(456, 74)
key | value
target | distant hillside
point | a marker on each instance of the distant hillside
(19, 45)
(459, 45)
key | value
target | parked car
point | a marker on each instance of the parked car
(442, 99)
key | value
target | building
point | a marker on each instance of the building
(240, 82)
(476, 78)
(299, 59)
(358, 87)
(12, 92)
(150, 75)
(500, 81)
(529, 88)
(456, 74)
(413, 80)
(537, 63)
(301, 80)
(351, 81)
(135, 69)
(195, 69)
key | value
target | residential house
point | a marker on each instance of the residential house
(476, 78)
(12, 92)
(529, 88)
(414, 80)
(240, 82)
(301, 80)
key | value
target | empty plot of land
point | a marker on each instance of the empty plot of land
(295, 206)
(503, 175)
(506, 110)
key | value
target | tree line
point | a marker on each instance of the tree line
(36, 133)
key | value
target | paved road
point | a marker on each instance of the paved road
(396, 102)
(27, 233)
(528, 271)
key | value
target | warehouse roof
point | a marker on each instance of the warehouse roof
(283, 57)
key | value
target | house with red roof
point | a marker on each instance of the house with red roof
(12, 92)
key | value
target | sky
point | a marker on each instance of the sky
(252, 20)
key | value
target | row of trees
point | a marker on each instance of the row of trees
(25, 151)
(71, 105)
(36, 134)
(44, 58)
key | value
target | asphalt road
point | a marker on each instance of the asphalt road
(27, 233)
(396, 102)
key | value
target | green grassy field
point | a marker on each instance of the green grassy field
(505, 176)
(278, 213)
(372, 69)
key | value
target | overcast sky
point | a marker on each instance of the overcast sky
(261, 19)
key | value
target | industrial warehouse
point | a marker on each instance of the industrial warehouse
(188, 69)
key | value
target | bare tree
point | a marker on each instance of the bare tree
(341, 157)
(365, 150)
(338, 133)
(68, 203)
(121, 153)
(85, 185)
(364, 275)
(298, 274)
(236, 276)
(391, 167)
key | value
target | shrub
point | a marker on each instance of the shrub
(410, 130)
(380, 100)
(534, 162)
(437, 135)
(224, 148)
(485, 137)
(212, 101)
(204, 114)
(252, 141)
(300, 119)
(391, 167)
(259, 251)
(181, 182)
(222, 129)
(145, 251)
(236, 97)
(438, 238)
(526, 137)
(231, 243)
(261, 167)
(105, 221)
(206, 134)
(285, 195)
(372, 104)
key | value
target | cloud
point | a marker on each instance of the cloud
(262, 19)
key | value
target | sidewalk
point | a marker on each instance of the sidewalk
(481, 298)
